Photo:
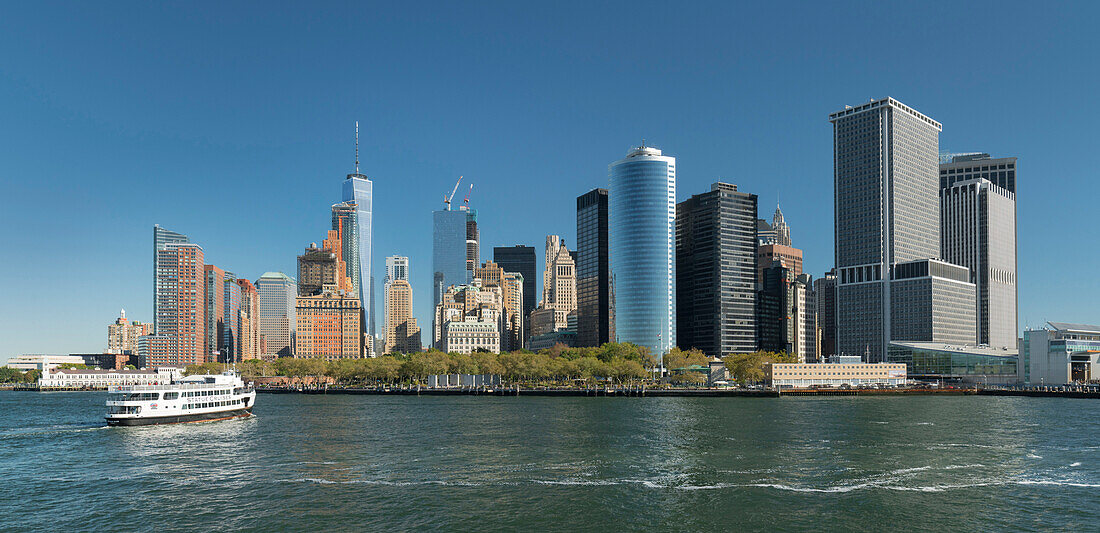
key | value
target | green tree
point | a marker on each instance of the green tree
(204, 368)
(72, 366)
(677, 358)
(10, 375)
(32, 375)
(488, 363)
(748, 368)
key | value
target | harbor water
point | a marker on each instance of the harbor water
(360, 463)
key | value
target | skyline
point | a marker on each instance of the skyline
(106, 155)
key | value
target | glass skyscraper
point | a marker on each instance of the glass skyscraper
(521, 259)
(359, 190)
(449, 251)
(642, 220)
(278, 319)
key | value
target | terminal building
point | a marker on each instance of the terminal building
(845, 371)
(936, 361)
(102, 379)
(1062, 354)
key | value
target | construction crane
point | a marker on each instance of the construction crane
(466, 200)
(447, 199)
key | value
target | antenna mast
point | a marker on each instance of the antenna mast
(356, 146)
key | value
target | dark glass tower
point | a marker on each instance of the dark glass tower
(595, 308)
(716, 271)
(521, 259)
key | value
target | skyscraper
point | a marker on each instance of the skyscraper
(181, 308)
(250, 327)
(402, 333)
(785, 313)
(887, 212)
(716, 271)
(521, 260)
(595, 318)
(344, 221)
(359, 190)
(473, 243)
(161, 239)
(642, 219)
(979, 232)
(825, 302)
(214, 278)
(449, 252)
(277, 320)
(559, 289)
(397, 268)
(229, 337)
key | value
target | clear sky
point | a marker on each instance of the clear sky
(234, 123)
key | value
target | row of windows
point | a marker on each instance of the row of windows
(213, 404)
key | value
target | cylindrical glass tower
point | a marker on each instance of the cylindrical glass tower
(642, 227)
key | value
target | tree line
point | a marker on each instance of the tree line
(618, 363)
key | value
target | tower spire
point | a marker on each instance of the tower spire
(356, 146)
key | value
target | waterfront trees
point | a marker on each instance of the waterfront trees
(748, 368)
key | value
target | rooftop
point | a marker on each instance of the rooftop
(1075, 328)
(960, 349)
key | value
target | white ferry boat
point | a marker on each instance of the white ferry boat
(190, 399)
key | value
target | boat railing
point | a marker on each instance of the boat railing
(172, 386)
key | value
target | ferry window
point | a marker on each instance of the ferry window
(171, 395)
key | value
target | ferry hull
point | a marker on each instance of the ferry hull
(179, 419)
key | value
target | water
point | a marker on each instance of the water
(353, 463)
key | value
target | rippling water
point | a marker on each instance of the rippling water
(349, 463)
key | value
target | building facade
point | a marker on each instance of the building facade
(161, 239)
(181, 319)
(886, 168)
(358, 190)
(835, 374)
(123, 335)
(786, 313)
(932, 301)
(469, 335)
(595, 307)
(934, 361)
(559, 289)
(328, 326)
(766, 254)
(642, 228)
(1000, 171)
(402, 332)
(512, 325)
(249, 321)
(472, 303)
(521, 260)
(825, 302)
(277, 322)
(716, 271)
(979, 232)
(448, 251)
(1063, 353)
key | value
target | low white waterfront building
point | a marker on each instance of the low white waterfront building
(101, 379)
(835, 374)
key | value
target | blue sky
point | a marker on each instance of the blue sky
(234, 124)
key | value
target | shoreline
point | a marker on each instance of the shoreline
(641, 393)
